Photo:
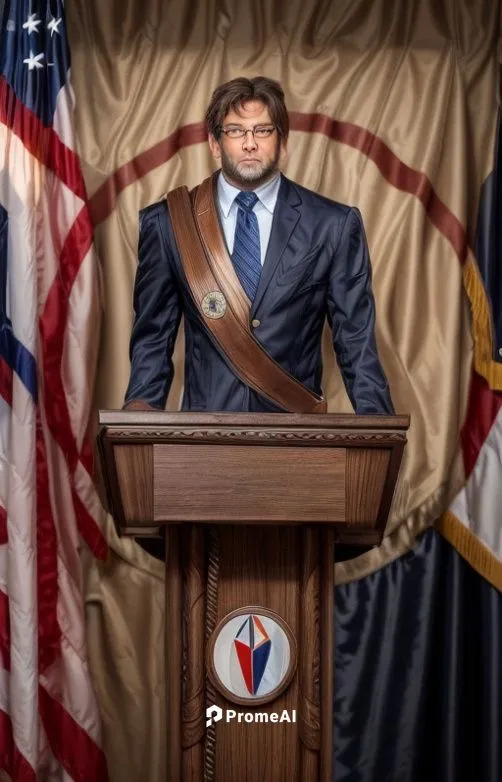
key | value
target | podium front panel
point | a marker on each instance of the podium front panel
(262, 484)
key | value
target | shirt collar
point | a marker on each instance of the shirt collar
(266, 193)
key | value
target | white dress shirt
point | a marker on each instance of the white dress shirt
(263, 209)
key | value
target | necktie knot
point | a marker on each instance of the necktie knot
(246, 200)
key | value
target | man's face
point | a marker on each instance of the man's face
(249, 161)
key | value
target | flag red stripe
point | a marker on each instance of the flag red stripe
(5, 381)
(71, 745)
(87, 451)
(3, 526)
(4, 631)
(52, 329)
(45, 145)
(49, 632)
(11, 759)
(42, 142)
(483, 407)
(89, 530)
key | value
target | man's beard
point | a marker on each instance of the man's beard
(255, 175)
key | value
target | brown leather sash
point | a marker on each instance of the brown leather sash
(222, 302)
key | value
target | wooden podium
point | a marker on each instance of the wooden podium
(252, 506)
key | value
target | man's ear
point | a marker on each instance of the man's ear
(214, 146)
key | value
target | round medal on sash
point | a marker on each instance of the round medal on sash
(214, 305)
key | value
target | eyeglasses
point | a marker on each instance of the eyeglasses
(259, 131)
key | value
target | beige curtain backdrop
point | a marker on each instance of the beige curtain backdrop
(412, 89)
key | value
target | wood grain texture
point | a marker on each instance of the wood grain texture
(134, 465)
(252, 482)
(260, 566)
(327, 652)
(228, 484)
(364, 479)
(174, 652)
(131, 420)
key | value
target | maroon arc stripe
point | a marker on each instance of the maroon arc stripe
(52, 331)
(4, 632)
(397, 173)
(49, 631)
(11, 760)
(71, 745)
(5, 381)
(52, 325)
(88, 529)
(104, 200)
(46, 146)
(42, 142)
(483, 407)
(3, 526)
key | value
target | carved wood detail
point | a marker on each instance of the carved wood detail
(213, 576)
(279, 487)
(259, 436)
(309, 715)
(193, 651)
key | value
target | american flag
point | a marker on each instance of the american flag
(49, 330)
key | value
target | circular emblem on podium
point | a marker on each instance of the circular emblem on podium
(214, 304)
(251, 656)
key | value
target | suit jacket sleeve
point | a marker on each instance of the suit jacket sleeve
(351, 312)
(157, 309)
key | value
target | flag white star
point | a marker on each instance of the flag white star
(31, 24)
(53, 25)
(34, 60)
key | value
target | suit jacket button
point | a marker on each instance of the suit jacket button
(255, 323)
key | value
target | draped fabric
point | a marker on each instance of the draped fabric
(418, 672)
(393, 110)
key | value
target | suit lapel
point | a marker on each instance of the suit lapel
(286, 216)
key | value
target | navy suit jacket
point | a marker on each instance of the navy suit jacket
(316, 267)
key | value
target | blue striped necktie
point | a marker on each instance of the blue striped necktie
(246, 255)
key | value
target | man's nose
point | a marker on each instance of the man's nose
(249, 140)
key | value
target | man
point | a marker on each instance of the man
(293, 258)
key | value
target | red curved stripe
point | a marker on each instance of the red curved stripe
(49, 632)
(42, 142)
(52, 330)
(88, 529)
(483, 407)
(52, 326)
(3, 526)
(397, 173)
(5, 381)
(46, 146)
(4, 631)
(71, 745)
(104, 200)
(11, 759)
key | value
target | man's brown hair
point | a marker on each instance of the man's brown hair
(232, 94)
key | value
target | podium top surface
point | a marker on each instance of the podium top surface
(156, 418)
